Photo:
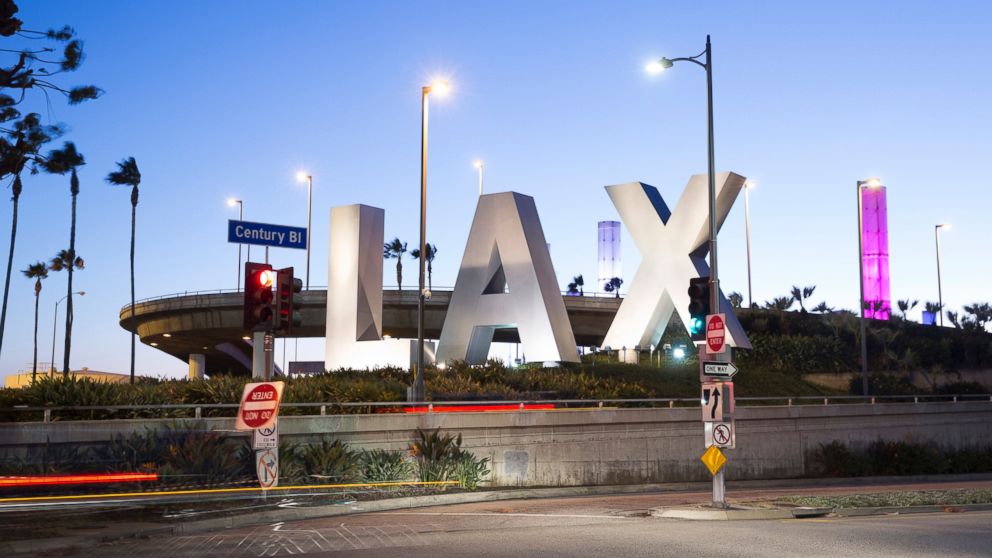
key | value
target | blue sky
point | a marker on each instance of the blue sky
(217, 102)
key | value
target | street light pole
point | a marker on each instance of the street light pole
(439, 87)
(707, 64)
(940, 295)
(241, 217)
(309, 208)
(480, 165)
(747, 233)
(55, 323)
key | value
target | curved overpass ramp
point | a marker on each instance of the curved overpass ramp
(209, 323)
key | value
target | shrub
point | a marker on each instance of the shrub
(328, 462)
(439, 457)
(895, 458)
(385, 466)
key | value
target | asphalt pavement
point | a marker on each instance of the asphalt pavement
(611, 526)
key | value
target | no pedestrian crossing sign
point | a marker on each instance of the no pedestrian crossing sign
(721, 434)
(267, 468)
(259, 405)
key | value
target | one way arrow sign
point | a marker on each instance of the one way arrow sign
(719, 369)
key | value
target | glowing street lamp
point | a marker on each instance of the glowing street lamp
(241, 217)
(442, 88)
(940, 296)
(55, 322)
(862, 184)
(747, 233)
(308, 178)
(480, 166)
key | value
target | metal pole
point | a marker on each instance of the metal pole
(861, 311)
(481, 166)
(248, 248)
(940, 295)
(747, 229)
(241, 217)
(309, 207)
(418, 389)
(719, 497)
(55, 323)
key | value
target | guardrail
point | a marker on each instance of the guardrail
(50, 414)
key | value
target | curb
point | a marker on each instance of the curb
(738, 514)
(896, 510)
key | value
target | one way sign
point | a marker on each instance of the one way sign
(712, 402)
(719, 369)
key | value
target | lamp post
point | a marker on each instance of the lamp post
(301, 176)
(707, 65)
(870, 183)
(241, 217)
(747, 233)
(441, 88)
(55, 323)
(940, 295)
(480, 166)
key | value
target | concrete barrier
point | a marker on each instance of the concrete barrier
(598, 446)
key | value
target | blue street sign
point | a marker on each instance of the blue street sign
(264, 234)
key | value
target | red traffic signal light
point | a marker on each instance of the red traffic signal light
(259, 279)
(287, 303)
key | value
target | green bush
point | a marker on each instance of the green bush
(328, 462)
(882, 458)
(439, 457)
(385, 466)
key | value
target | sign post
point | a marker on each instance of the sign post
(717, 401)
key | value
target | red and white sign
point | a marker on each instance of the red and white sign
(716, 334)
(259, 405)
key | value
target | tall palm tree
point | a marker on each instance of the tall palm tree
(36, 271)
(127, 174)
(431, 252)
(395, 249)
(25, 140)
(613, 285)
(61, 161)
(905, 306)
(64, 261)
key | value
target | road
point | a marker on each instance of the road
(583, 527)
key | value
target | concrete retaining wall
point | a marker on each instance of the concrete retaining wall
(601, 446)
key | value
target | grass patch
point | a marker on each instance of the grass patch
(896, 499)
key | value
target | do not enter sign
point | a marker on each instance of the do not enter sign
(716, 333)
(259, 405)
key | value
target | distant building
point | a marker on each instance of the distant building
(22, 378)
(609, 253)
(875, 253)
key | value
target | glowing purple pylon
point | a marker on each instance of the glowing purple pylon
(875, 253)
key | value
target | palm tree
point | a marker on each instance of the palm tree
(579, 282)
(61, 161)
(799, 295)
(613, 285)
(395, 249)
(127, 174)
(905, 306)
(780, 303)
(27, 136)
(36, 271)
(431, 252)
(933, 308)
(822, 308)
(64, 261)
(736, 299)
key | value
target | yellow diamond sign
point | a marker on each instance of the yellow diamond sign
(714, 459)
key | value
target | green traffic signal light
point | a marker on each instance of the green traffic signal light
(696, 325)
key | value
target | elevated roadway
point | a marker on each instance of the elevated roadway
(210, 323)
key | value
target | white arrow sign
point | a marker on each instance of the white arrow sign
(719, 369)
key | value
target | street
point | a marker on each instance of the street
(584, 526)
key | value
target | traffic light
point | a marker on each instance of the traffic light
(699, 307)
(287, 303)
(259, 279)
